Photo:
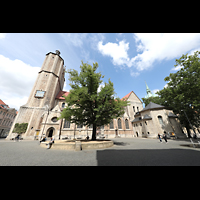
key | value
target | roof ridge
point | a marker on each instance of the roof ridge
(126, 96)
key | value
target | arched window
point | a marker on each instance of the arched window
(126, 124)
(67, 124)
(111, 125)
(160, 120)
(119, 123)
(63, 105)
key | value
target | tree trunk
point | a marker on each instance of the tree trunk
(188, 131)
(94, 132)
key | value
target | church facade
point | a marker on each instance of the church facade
(46, 102)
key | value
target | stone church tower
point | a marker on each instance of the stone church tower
(49, 83)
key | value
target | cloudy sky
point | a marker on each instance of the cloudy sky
(128, 59)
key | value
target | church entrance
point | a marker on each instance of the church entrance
(50, 132)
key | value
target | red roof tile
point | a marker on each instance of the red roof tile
(127, 96)
(61, 93)
(2, 103)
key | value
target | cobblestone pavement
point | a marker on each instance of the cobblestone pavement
(126, 151)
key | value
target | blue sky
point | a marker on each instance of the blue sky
(128, 59)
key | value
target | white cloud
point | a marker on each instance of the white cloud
(162, 46)
(17, 79)
(154, 91)
(118, 52)
(176, 68)
(2, 35)
(100, 87)
(166, 85)
(75, 38)
(135, 74)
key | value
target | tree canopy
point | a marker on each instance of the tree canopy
(87, 106)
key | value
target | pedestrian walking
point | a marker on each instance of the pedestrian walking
(165, 137)
(159, 137)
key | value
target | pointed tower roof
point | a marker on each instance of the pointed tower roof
(149, 93)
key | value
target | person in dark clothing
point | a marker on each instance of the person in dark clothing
(43, 139)
(165, 137)
(159, 137)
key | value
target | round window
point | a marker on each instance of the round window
(54, 119)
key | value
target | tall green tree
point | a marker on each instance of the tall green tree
(87, 106)
(156, 100)
(182, 91)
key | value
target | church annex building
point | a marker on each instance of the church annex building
(46, 102)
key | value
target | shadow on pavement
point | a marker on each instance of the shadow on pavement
(148, 157)
(121, 143)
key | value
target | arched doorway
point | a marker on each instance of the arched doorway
(50, 132)
(137, 134)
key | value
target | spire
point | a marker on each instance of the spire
(149, 93)
(147, 88)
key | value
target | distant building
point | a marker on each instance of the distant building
(7, 116)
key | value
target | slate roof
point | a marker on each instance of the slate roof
(137, 119)
(147, 117)
(172, 115)
(152, 106)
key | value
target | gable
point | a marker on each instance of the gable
(56, 109)
(134, 97)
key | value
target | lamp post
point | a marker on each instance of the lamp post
(189, 123)
(46, 108)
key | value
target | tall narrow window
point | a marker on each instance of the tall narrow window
(127, 124)
(133, 108)
(160, 120)
(111, 125)
(119, 124)
(63, 105)
(67, 124)
(91, 126)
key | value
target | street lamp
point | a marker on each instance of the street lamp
(189, 123)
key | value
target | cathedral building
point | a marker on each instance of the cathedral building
(46, 102)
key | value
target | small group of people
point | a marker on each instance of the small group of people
(50, 142)
(164, 137)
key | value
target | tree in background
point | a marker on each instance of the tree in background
(87, 106)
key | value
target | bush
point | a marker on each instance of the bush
(20, 128)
